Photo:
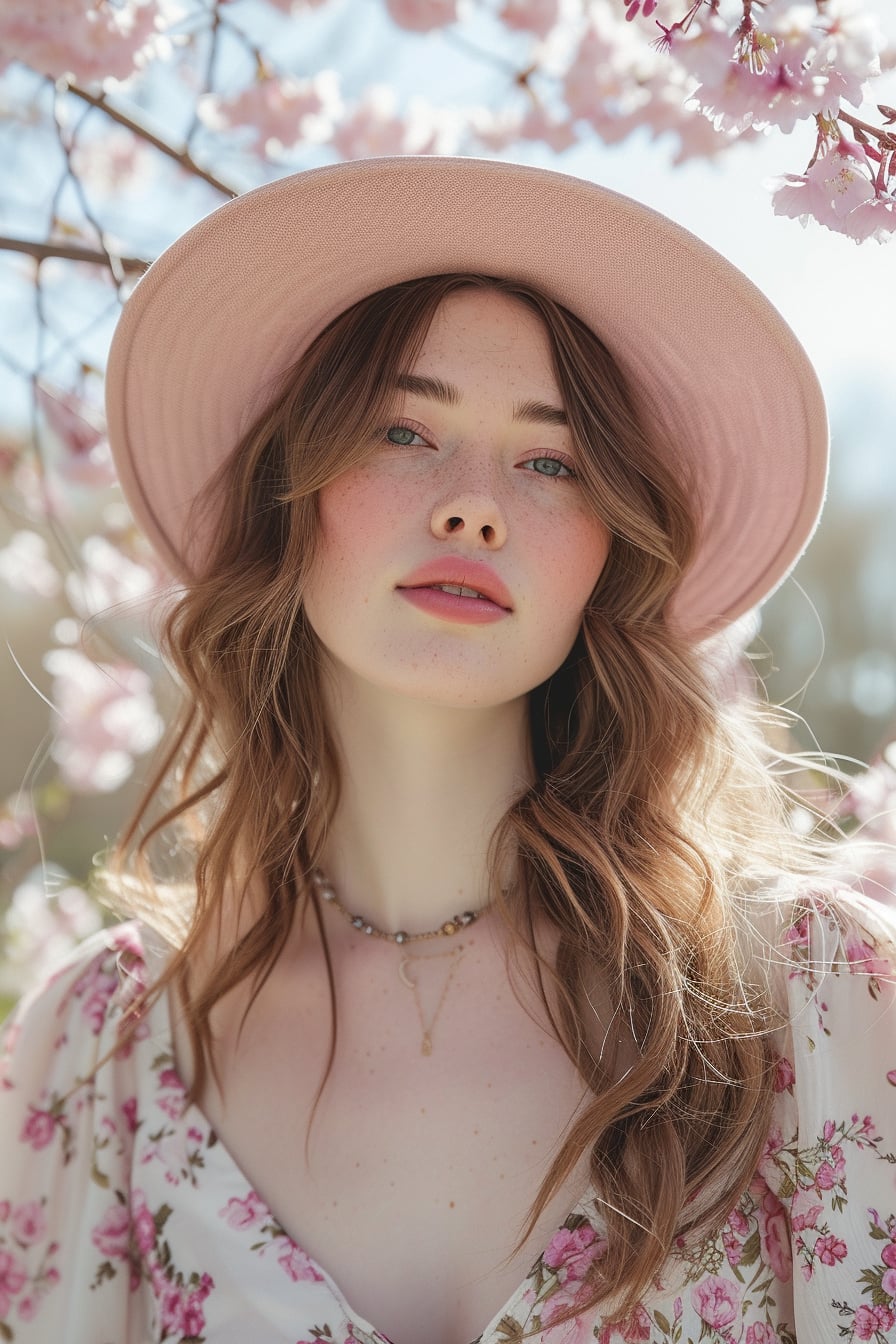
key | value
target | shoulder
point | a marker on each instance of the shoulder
(69, 1110)
(839, 941)
(65, 1024)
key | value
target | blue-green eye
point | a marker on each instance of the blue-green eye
(400, 430)
(554, 467)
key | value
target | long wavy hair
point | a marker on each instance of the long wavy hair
(653, 822)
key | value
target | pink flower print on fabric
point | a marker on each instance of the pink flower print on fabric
(863, 959)
(572, 1294)
(12, 1280)
(774, 1233)
(784, 1076)
(635, 1329)
(248, 1212)
(575, 1251)
(29, 1223)
(761, 1334)
(143, 1224)
(38, 1129)
(294, 1261)
(716, 1301)
(830, 1250)
(111, 1235)
(872, 1322)
(96, 988)
(180, 1310)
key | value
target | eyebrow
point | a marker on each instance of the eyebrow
(535, 412)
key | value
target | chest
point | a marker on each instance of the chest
(419, 1170)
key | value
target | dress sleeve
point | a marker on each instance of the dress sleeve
(838, 1169)
(65, 1148)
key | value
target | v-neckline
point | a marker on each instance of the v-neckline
(193, 1113)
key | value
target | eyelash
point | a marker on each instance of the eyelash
(552, 457)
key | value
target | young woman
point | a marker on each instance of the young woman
(479, 987)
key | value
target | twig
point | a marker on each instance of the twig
(181, 157)
(71, 252)
(886, 138)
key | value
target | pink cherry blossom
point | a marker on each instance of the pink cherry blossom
(292, 6)
(531, 16)
(635, 7)
(793, 64)
(374, 127)
(888, 1255)
(111, 163)
(874, 218)
(888, 1282)
(26, 567)
(106, 715)
(716, 1301)
(91, 40)
(422, 15)
(86, 460)
(280, 112)
(105, 577)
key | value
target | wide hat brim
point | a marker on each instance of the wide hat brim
(713, 367)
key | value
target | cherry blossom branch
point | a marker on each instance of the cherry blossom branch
(885, 139)
(73, 252)
(180, 156)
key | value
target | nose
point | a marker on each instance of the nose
(473, 517)
(472, 510)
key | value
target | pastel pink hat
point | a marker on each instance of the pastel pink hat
(711, 363)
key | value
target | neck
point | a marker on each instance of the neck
(422, 789)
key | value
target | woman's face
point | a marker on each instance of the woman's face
(483, 481)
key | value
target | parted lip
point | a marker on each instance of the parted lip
(464, 574)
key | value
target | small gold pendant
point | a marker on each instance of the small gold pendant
(426, 1047)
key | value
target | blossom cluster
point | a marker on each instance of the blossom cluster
(707, 75)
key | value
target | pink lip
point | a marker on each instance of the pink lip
(453, 607)
(462, 574)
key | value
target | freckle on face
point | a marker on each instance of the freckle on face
(386, 516)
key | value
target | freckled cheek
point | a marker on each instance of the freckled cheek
(358, 520)
(569, 565)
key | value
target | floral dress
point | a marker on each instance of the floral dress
(123, 1219)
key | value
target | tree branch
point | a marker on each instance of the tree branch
(72, 252)
(181, 157)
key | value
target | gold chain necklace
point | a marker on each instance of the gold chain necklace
(451, 926)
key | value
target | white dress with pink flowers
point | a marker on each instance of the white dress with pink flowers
(123, 1220)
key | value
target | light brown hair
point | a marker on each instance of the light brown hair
(652, 820)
